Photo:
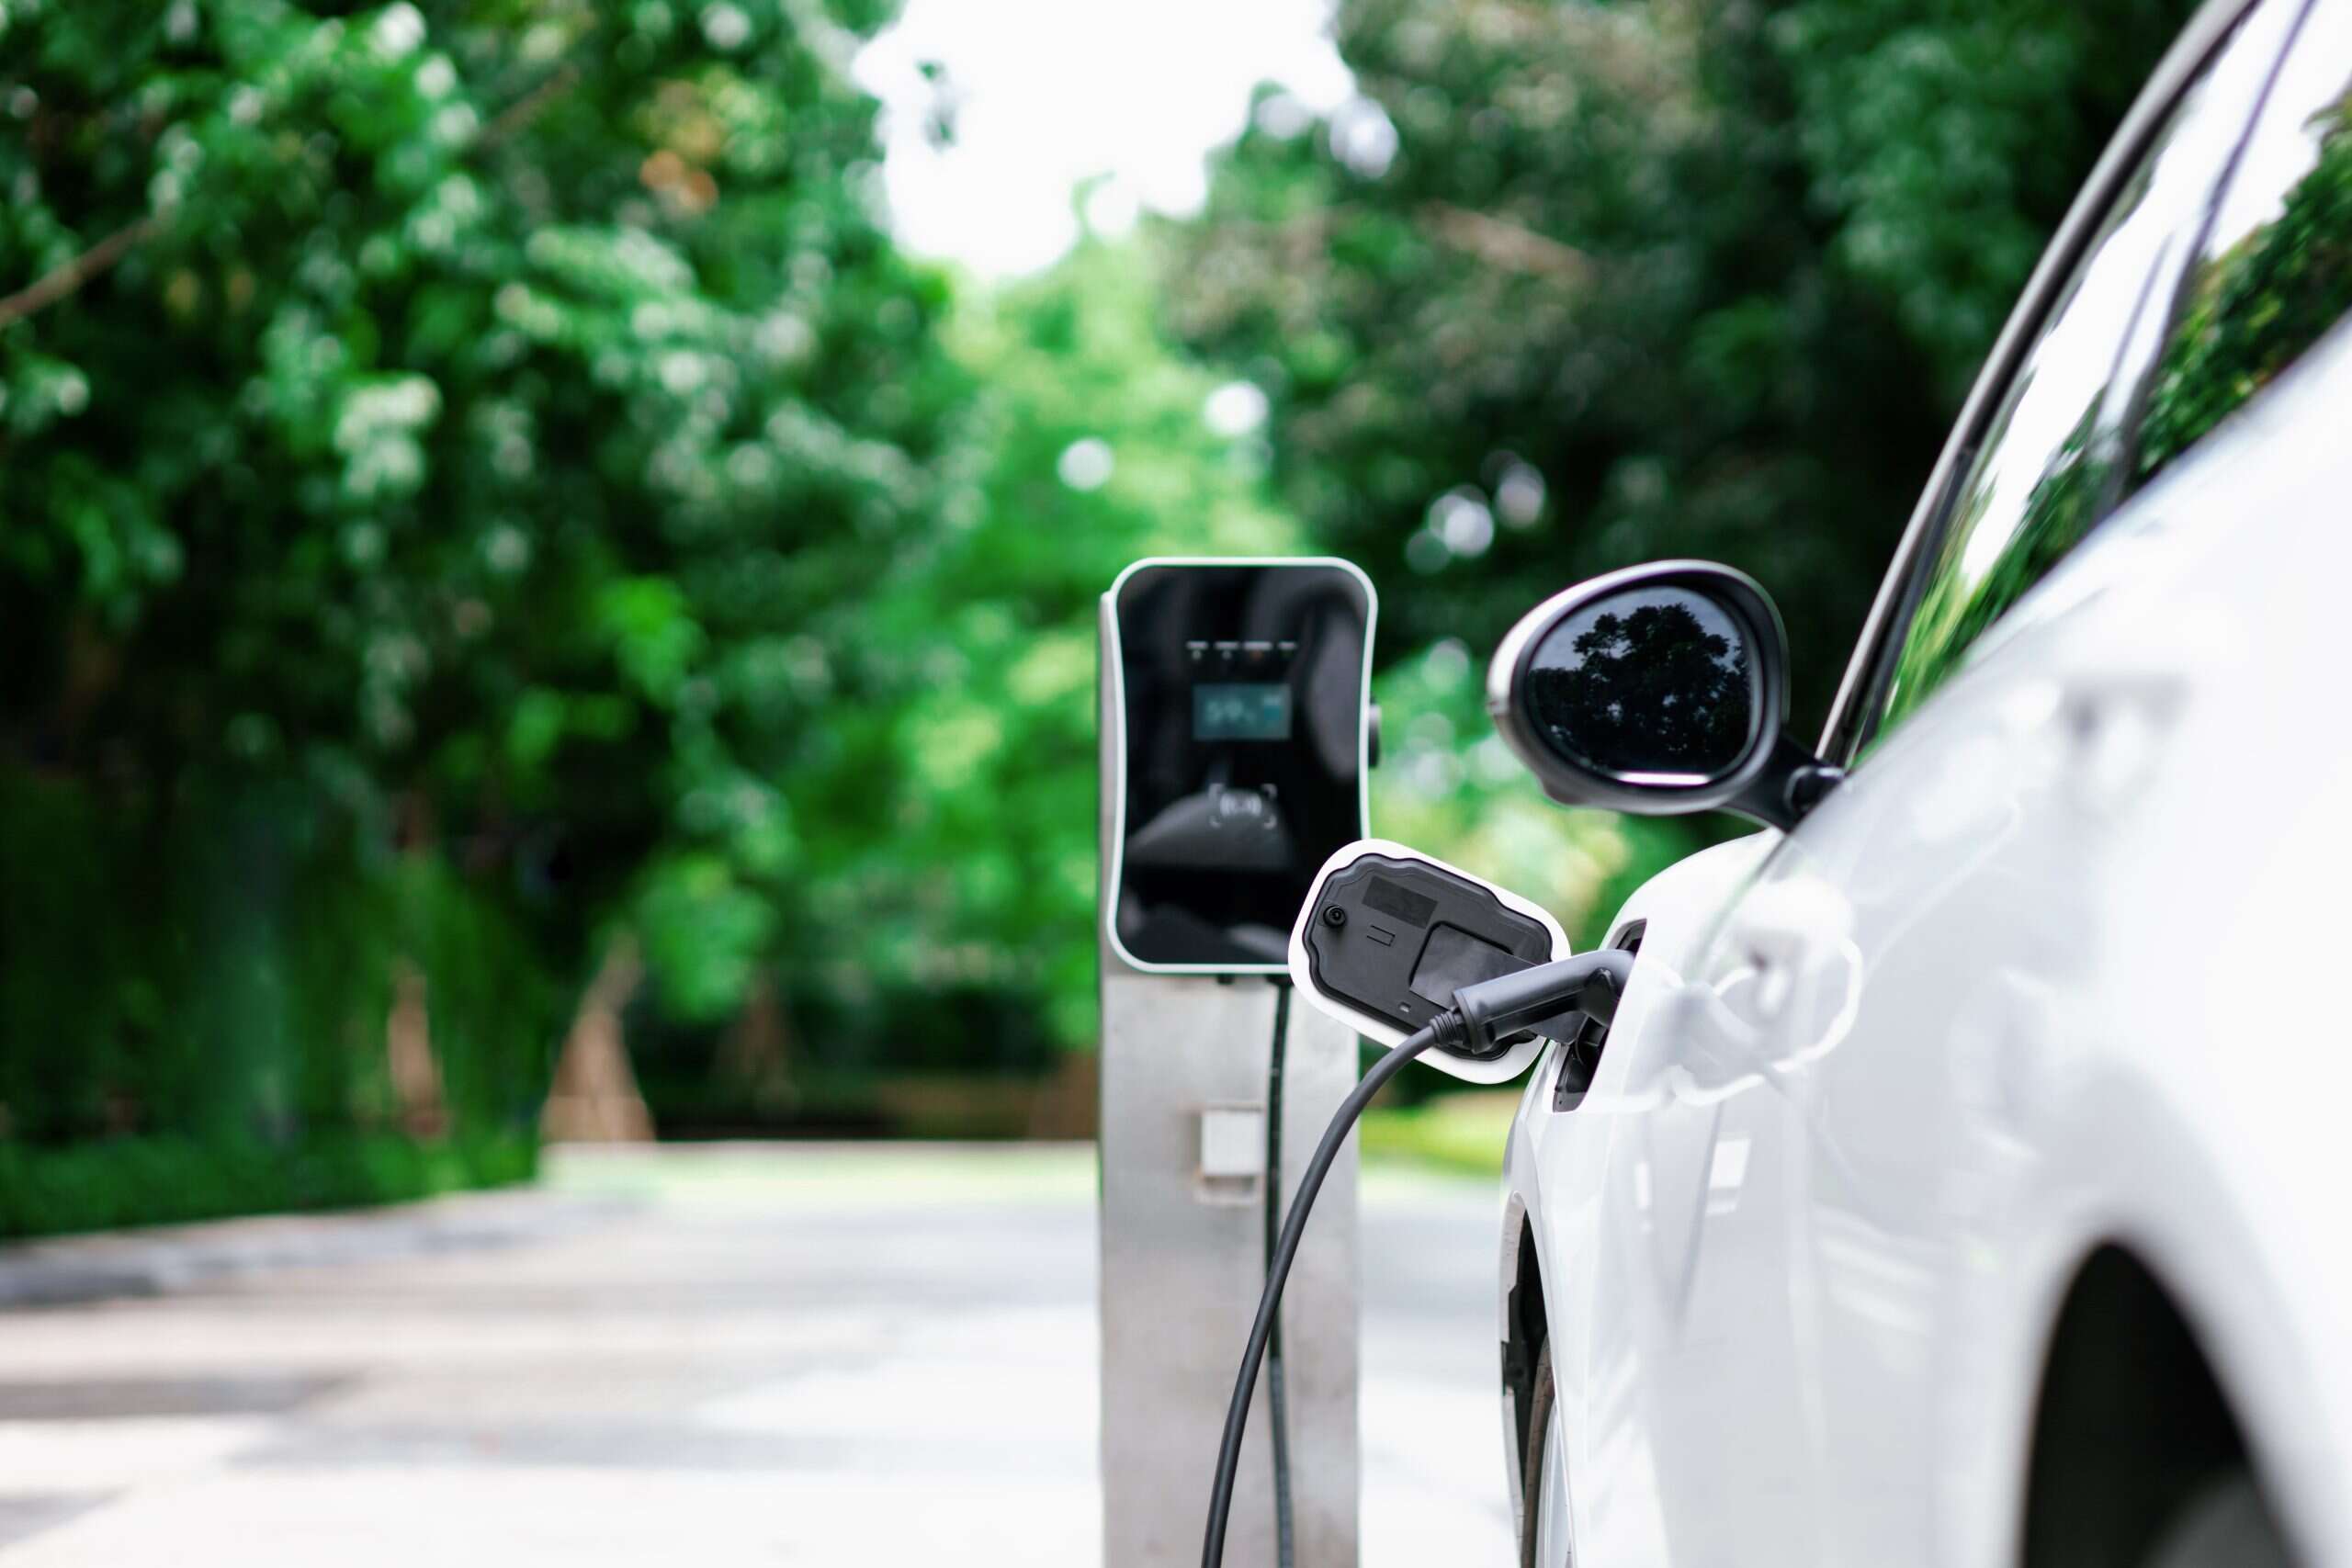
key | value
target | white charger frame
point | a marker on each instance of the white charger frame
(1373, 1026)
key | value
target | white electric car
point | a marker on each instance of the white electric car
(1966, 1178)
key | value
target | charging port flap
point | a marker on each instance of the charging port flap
(1387, 935)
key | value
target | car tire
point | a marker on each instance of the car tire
(1535, 1466)
(2226, 1525)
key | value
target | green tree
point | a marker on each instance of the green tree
(475, 428)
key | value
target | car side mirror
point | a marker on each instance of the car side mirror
(1658, 689)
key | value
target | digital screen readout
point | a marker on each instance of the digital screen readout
(1239, 710)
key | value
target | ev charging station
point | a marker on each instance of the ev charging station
(1236, 730)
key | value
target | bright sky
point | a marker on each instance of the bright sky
(1049, 93)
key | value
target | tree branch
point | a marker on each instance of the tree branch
(1504, 244)
(526, 109)
(100, 258)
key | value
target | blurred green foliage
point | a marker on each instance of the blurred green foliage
(56, 1190)
(1466, 1132)
(965, 915)
(1579, 286)
(229, 971)
(443, 505)
(480, 482)
(1098, 454)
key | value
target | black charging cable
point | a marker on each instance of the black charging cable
(1482, 1016)
(1277, 1402)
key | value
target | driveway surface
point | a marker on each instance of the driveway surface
(748, 1354)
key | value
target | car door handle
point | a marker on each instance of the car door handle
(2097, 691)
(2116, 708)
(1789, 933)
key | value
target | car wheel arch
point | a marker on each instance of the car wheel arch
(2129, 1416)
(1526, 1330)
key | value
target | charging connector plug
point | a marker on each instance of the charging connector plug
(1494, 1010)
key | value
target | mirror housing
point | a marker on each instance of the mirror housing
(1658, 689)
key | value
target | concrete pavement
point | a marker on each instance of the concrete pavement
(751, 1354)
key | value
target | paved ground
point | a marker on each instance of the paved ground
(756, 1356)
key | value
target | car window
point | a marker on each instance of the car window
(2053, 459)
(2275, 271)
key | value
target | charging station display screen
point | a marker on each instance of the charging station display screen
(1242, 706)
(1225, 710)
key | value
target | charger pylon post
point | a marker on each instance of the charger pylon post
(1235, 731)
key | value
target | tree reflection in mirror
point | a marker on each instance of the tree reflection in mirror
(1652, 684)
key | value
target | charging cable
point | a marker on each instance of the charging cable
(1277, 1402)
(1482, 1017)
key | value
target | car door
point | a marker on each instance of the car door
(1874, 989)
(1777, 1246)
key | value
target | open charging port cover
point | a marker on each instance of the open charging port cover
(1387, 935)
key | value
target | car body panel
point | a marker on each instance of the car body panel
(1558, 1158)
(2051, 971)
